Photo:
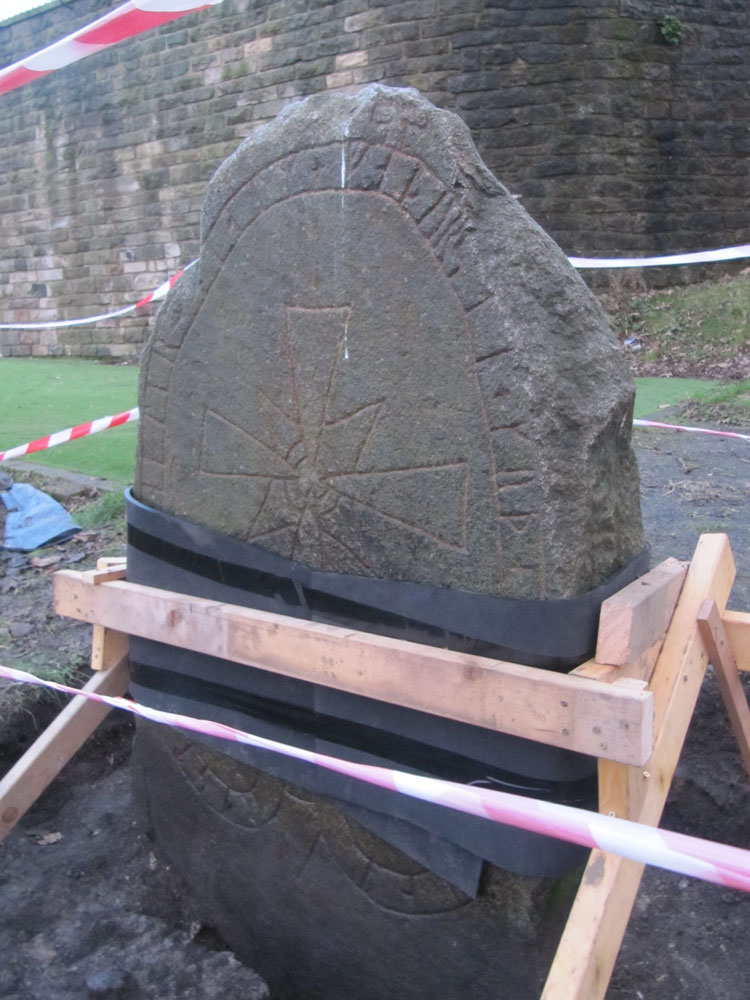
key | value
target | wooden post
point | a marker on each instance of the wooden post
(593, 934)
(108, 646)
(727, 677)
(737, 627)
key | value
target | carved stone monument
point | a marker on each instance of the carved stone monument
(387, 383)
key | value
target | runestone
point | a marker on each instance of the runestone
(382, 366)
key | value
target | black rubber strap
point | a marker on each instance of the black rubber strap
(556, 634)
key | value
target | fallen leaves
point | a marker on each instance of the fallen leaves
(42, 562)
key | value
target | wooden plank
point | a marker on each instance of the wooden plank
(683, 656)
(727, 677)
(106, 574)
(737, 627)
(597, 671)
(571, 712)
(633, 621)
(633, 624)
(109, 562)
(107, 646)
(46, 757)
(593, 934)
(582, 968)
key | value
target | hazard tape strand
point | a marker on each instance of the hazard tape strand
(581, 263)
(127, 21)
(691, 430)
(669, 260)
(712, 862)
(107, 423)
(71, 434)
(155, 296)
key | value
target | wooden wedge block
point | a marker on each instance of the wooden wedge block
(633, 621)
(106, 574)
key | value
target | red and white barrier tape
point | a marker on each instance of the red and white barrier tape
(727, 253)
(155, 296)
(703, 859)
(691, 430)
(670, 260)
(124, 22)
(71, 434)
(105, 423)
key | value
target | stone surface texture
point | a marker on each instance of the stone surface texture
(324, 909)
(383, 366)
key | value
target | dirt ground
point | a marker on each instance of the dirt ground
(89, 909)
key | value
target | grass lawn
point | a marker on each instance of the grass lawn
(652, 393)
(700, 333)
(42, 395)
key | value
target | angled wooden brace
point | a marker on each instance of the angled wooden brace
(727, 675)
(599, 917)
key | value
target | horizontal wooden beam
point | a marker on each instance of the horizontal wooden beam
(46, 757)
(613, 721)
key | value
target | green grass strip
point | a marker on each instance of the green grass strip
(43, 395)
(653, 393)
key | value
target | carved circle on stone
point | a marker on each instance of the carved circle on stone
(344, 214)
(239, 794)
(248, 798)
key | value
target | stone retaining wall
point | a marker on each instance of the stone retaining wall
(616, 141)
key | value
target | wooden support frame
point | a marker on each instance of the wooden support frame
(613, 721)
(46, 757)
(727, 676)
(596, 926)
(630, 707)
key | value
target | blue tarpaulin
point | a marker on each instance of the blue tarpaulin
(34, 519)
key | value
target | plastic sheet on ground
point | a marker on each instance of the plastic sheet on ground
(34, 519)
